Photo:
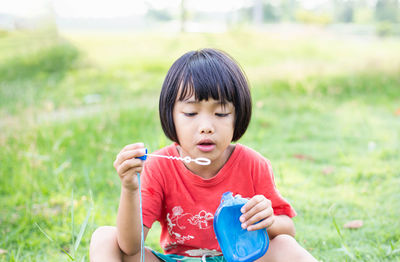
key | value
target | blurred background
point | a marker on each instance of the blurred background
(79, 80)
(360, 17)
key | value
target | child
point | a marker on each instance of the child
(204, 105)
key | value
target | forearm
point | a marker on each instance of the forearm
(282, 225)
(128, 222)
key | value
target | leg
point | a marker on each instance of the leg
(104, 247)
(286, 248)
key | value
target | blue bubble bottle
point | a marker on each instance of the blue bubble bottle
(237, 244)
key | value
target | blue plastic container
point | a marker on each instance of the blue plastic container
(237, 244)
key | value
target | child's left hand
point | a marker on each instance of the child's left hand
(258, 208)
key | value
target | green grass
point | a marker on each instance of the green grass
(324, 114)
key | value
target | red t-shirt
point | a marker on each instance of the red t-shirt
(185, 203)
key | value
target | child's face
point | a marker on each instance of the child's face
(204, 128)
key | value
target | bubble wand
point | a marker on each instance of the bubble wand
(187, 159)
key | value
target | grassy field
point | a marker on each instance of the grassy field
(326, 113)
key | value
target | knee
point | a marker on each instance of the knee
(285, 240)
(292, 248)
(103, 235)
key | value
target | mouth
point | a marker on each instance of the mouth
(206, 145)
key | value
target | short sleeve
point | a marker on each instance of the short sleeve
(264, 184)
(152, 192)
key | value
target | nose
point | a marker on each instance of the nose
(206, 130)
(206, 127)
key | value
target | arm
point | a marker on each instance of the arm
(259, 209)
(128, 218)
(128, 223)
(282, 225)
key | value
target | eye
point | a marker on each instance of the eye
(190, 114)
(221, 114)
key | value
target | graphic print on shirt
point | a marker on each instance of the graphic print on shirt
(186, 221)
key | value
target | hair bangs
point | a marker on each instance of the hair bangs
(205, 78)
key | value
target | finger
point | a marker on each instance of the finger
(252, 202)
(132, 146)
(266, 223)
(263, 214)
(127, 148)
(128, 155)
(260, 206)
(128, 164)
(131, 172)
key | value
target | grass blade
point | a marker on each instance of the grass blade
(345, 249)
(82, 229)
(44, 233)
(72, 219)
(51, 240)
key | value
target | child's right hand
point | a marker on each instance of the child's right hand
(127, 165)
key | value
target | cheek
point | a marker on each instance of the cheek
(182, 128)
(175, 119)
(231, 123)
(228, 126)
(179, 122)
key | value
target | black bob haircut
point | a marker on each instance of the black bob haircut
(205, 73)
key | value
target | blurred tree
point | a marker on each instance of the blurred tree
(310, 17)
(344, 10)
(183, 16)
(384, 29)
(288, 9)
(270, 12)
(387, 10)
(244, 15)
(158, 14)
(363, 12)
(259, 12)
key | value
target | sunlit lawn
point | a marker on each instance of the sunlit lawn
(326, 113)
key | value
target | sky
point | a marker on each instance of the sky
(24, 8)
(107, 8)
(120, 8)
